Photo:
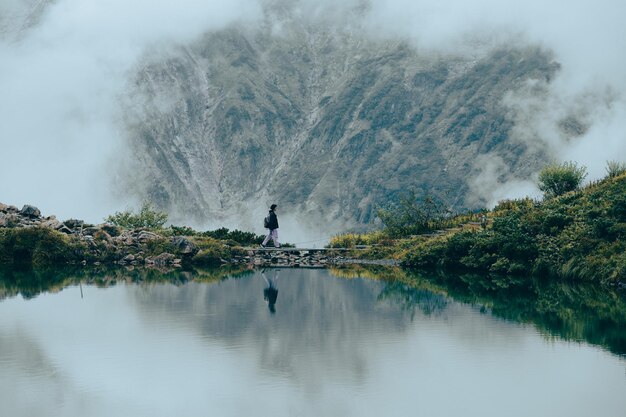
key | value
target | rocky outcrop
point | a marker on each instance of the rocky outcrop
(104, 243)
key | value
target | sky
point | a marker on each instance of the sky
(63, 73)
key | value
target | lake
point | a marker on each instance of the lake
(296, 342)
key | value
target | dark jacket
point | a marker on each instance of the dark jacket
(273, 221)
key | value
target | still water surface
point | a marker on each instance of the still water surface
(327, 346)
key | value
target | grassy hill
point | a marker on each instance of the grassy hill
(580, 235)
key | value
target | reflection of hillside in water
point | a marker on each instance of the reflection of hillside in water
(322, 324)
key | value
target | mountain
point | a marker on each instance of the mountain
(328, 122)
(16, 17)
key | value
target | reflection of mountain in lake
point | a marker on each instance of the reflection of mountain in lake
(321, 324)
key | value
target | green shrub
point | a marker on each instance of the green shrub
(410, 216)
(238, 236)
(556, 179)
(38, 246)
(211, 252)
(615, 168)
(147, 218)
(349, 240)
(180, 231)
(429, 253)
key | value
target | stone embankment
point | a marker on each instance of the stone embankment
(291, 257)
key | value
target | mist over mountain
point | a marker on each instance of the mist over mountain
(216, 109)
(327, 121)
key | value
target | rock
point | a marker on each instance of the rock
(65, 229)
(3, 207)
(128, 258)
(30, 211)
(144, 236)
(52, 224)
(163, 259)
(91, 230)
(112, 230)
(184, 246)
(9, 220)
(73, 223)
(102, 236)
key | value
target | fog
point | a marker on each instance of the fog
(62, 81)
(65, 64)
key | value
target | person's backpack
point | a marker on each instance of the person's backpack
(266, 222)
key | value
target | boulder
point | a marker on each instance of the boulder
(102, 236)
(163, 259)
(145, 236)
(65, 229)
(184, 246)
(30, 211)
(74, 223)
(9, 220)
(52, 224)
(112, 230)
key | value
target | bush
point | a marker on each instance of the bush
(349, 240)
(211, 252)
(556, 179)
(239, 236)
(37, 246)
(181, 231)
(147, 218)
(409, 216)
(614, 168)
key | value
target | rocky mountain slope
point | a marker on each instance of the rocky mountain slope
(319, 119)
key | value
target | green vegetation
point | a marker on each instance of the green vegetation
(212, 252)
(411, 216)
(575, 235)
(578, 236)
(229, 237)
(614, 168)
(147, 218)
(556, 179)
(38, 246)
(237, 236)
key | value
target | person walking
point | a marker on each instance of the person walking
(272, 225)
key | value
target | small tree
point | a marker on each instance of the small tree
(615, 168)
(411, 216)
(556, 179)
(147, 218)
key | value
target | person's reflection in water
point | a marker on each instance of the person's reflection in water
(270, 293)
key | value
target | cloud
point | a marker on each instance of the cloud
(61, 80)
(586, 38)
(494, 182)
